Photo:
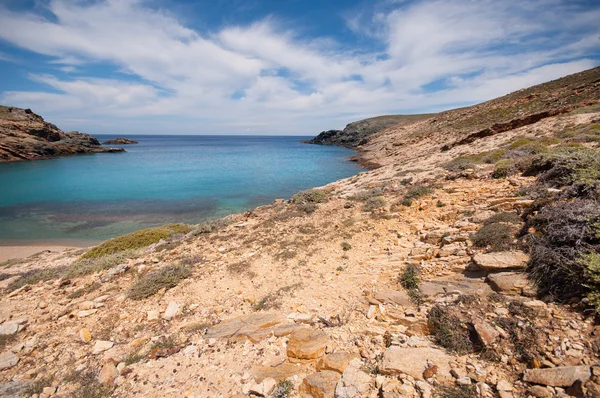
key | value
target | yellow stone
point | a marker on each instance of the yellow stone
(85, 335)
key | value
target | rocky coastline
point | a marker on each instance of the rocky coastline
(26, 136)
(120, 141)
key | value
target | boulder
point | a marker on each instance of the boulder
(399, 297)
(414, 361)
(499, 261)
(509, 283)
(337, 361)
(108, 374)
(354, 383)
(486, 333)
(320, 384)
(562, 376)
(307, 343)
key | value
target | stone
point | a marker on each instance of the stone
(301, 318)
(263, 388)
(286, 329)
(498, 261)
(509, 283)
(562, 376)
(414, 361)
(280, 372)
(354, 383)
(8, 360)
(540, 392)
(48, 391)
(504, 385)
(465, 284)
(85, 335)
(171, 311)
(320, 384)
(425, 389)
(337, 361)
(399, 297)
(108, 374)
(85, 313)
(10, 327)
(153, 315)
(102, 346)
(486, 333)
(16, 388)
(464, 381)
(254, 327)
(306, 344)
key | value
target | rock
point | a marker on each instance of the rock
(171, 311)
(301, 318)
(279, 372)
(486, 333)
(464, 381)
(102, 346)
(84, 313)
(320, 384)
(153, 315)
(498, 261)
(8, 328)
(263, 388)
(354, 382)
(254, 327)
(540, 392)
(509, 283)
(15, 388)
(48, 391)
(307, 343)
(563, 376)
(108, 374)
(465, 284)
(8, 360)
(504, 385)
(85, 335)
(425, 389)
(337, 361)
(414, 361)
(119, 141)
(286, 329)
(399, 297)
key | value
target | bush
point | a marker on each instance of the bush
(363, 196)
(461, 163)
(284, 389)
(136, 240)
(346, 246)
(449, 331)
(504, 217)
(166, 277)
(410, 278)
(211, 226)
(497, 236)
(85, 266)
(373, 204)
(34, 276)
(415, 192)
(307, 208)
(504, 168)
(565, 250)
(310, 196)
(456, 392)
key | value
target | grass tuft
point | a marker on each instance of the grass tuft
(164, 278)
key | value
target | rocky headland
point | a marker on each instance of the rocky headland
(120, 141)
(464, 265)
(26, 136)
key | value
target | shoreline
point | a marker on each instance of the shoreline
(10, 250)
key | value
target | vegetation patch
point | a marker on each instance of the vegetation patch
(310, 196)
(86, 266)
(447, 391)
(284, 389)
(211, 226)
(415, 192)
(449, 331)
(346, 246)
(496, 236)
(166, 277)
(509, 217)
(363, 196)
(34, 276)
(273, 300)
(373, 204)
(136, 240)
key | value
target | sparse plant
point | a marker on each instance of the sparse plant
(449, 331)
(273, 300)
(497, 236)
(283, 389)
(410, 278)
(415, 192)
(307, 208)
(508, 217)
(364, 196)
(211, 226)
(166, 277)
(310, 196)
(375, 203)
(448, 391)
(346, 246)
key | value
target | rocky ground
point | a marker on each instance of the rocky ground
(373, 286)
(26, 136)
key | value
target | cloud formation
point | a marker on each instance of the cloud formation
(267, 78)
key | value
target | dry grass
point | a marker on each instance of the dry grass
(164, 278)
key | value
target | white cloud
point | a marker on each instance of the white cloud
(267, 77)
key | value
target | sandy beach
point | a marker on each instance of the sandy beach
(22, 251)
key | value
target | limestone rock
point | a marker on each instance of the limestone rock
(399, 297)
(254, 327)
(539, 392)
(337, 361)
(85, 335)
(171, 311)
(414, 361)
(8, 360)
(280, 372)
(498, 261)
(307, 343)
(108, 374)
(153, 315)
(10, 327)
(320, 384)
(486, 333)
(15, 388)
(354, 382)
(509, 283)
(263, 388)
(563, 376)
(102, 346)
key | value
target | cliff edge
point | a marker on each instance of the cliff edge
(26, 136)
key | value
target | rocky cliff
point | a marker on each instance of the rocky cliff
(26, 136)
(356, 133)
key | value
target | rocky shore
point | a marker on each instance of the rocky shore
(120, 141)
(26, 136)
(420, 278)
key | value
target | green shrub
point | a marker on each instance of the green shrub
(415, 192)
(504, 168)
(346, 246)
(34, 276)
(310, 196)
(211, 226)
(460, 163)
(449, 331)
(494, 156)
(374, 203)
(509, 217)
(284, 389)
(136, 240)
(85, 266)
(166, 277)
(410, 278)
(497, 236)
(363, 196)
(307, 208)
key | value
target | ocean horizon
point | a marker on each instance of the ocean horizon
(163, 179)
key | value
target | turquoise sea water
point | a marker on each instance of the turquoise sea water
(161, 180)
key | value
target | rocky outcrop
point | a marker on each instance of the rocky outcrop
(355, 133)
(26, 136)
(120, 141)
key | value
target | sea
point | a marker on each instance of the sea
(84, 199)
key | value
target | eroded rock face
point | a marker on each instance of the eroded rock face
(562, 376)
(120, 141)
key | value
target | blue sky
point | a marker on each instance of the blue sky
(278, 67)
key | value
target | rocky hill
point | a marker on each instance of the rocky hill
(465, 265)
(26, 136)
(356, 133)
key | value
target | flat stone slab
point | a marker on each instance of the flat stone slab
(254, 327)
(320, 384)
(399, 297)
(8, 360)
(499, 261)
(455, 283)
(509, 283)
(279, 372)
(306, 344)
(337, 361)
(563, 376)
(414, 361)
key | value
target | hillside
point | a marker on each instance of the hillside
(26, 136)
(356, 133)
(465, 265)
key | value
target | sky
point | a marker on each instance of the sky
(278, 67)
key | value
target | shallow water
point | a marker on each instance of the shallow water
(161, 180)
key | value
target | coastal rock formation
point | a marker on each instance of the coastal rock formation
(26, 136)
(120, 141)
(356, 133)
